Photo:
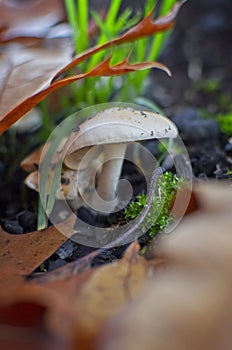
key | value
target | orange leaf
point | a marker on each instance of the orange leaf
(37, 87)
(103, 69)
(24, 73)
(97, 294)
(148, 27)
(21, 254)
(187, 305)
(142, 29)
(34, 317)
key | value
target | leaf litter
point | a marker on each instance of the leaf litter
(130, 303)
(14, 106)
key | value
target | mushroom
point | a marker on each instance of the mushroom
(67, 188)
(94, 154)
(112, 130)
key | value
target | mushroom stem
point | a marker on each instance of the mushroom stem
(111, 171)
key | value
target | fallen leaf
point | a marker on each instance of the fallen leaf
(73, 309)
(187, 304)
(40, 88)
(142, 29)
(29, 18)
(182, 296)
(26, 71)
(22, 254)
(98, 294)
(33, 317)
(38, 84)
(104, 68)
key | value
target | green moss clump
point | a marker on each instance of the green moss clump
(209, 86)
(225, 121)
(159, 215)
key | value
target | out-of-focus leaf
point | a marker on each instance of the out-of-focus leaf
(97, 294)
(181, 296)
(29, 18)
(24, 72)
(34, 317)
(75, 308)
(109, 288)
(188, 303)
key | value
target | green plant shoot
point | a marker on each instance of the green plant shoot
(123, 88)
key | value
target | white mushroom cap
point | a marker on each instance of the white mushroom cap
(117, 125)
(111, 130)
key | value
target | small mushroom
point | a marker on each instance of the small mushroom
(67, 187)
(113, 129)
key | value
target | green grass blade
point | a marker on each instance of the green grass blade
(156, 46)
(42, 221)
(113, 12)
(82, 18)
(160, 38)
(109, 26)
(102, 26)
(48, 194)
(73, 19)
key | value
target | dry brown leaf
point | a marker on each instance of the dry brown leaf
(97, 294)
(29, 18)
(214, 196)
(74, 308)
(188, 304)
(21, 254)
(142, 29)
(34, 317)
(181, 297)
(42, 90)
(26, 71)
(17, 101)
(106, 290)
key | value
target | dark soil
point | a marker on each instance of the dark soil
(198, 52)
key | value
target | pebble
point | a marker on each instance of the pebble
(85, 215)
(66, 250)
(109, 256)
(56, 264)
(28, 221)
(193, 128)
(228, 147)
(11, 226)
(205, 164)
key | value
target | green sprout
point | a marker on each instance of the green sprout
(225, 121)
(103, 89)
(159, 215)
